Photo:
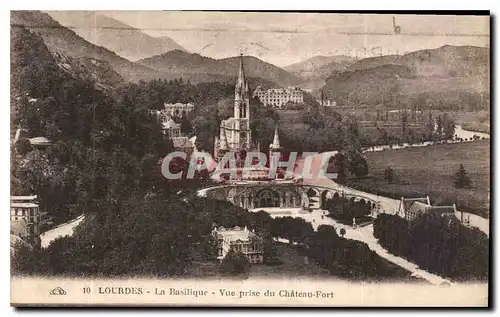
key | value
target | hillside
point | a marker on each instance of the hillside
(446, 78)
(126, 41)
(195, 67)
(59, 39)
(255, 67)
(446, 61)
(372, 85)
(182, 63)
(316, 69)
(308, 68)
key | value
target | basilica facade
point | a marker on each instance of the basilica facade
(235, 134)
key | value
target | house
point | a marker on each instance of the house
(25, 215)
(40, 142)
(411, 208)
(183, 144)
(239, 240)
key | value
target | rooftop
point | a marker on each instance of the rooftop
(236, 234)
(19, 198)
(182, 142)
(23, 205)
(171, 124)
(408, 202)
(41, 140)
(419, 207)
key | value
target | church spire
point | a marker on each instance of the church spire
(241, 74)
(276, 141)
(241, 85)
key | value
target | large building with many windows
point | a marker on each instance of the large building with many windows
(279, 97)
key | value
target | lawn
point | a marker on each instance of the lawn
(430, 171)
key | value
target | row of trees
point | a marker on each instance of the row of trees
(344, 210)
(440, 245)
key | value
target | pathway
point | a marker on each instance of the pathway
(62, 230)
(363, 234)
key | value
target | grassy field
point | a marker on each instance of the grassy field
(476, 127)
(430, 171)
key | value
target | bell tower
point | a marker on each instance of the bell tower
(242, 137)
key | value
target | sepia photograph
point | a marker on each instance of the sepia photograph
(271, 159)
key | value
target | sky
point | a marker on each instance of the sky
(286, 38)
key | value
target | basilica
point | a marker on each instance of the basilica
(235, 134)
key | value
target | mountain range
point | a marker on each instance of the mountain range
(169, 65)
(184, 64)
(448, 70)
(126, 41)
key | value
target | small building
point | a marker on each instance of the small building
(173, 130)
(411, 208)
(239, 240)
(183, 144)
(40, 142)
(171, 127)
(177, 109)
(25, 216)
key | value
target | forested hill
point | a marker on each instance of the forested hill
(170, 65)
(105, 142)
(446, 78)
(198, 68)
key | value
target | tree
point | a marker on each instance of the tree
(462, 180)
(342, 232)
(357, 164)
(430, 125)
(389, 175)
(234, 263)
(448, 127)
(404, 122)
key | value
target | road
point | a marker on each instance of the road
(62, 230)
(363, 234)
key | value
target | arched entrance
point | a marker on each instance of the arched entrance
(324, 199)
(266, 198)
(313, 198)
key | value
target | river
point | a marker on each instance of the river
(459, 132)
